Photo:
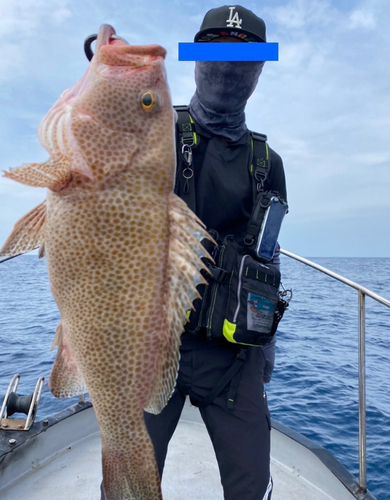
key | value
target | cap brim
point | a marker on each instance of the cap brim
(207, 35)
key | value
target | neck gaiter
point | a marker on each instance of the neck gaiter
(222, 91)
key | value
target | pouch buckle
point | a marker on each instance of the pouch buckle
(218, 273)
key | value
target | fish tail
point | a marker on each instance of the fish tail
(131, 473)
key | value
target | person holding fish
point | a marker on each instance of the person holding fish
(224, 379)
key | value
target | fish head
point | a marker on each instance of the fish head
(128, 83)
(121, 108)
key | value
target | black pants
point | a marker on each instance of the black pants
(240, 436)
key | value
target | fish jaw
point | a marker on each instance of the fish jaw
(105, 111)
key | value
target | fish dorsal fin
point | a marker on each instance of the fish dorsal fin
(184, 266)
(28, 232)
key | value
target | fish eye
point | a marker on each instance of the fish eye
(148, 101)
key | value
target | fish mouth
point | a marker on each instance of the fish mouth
(115, 51)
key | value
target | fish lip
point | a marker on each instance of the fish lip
(113, 50)
(134, 56)
(108, 71)
(117, 37)
(153, 50)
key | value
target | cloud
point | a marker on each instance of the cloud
(362, 19)
(301, 14)
(28, 29)
(14, 58)
(24, 17)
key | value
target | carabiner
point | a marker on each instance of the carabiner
(186, 151)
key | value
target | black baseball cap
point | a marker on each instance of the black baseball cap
(231, 20)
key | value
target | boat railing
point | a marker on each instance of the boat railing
(362, 293)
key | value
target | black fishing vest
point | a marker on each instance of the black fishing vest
(220, 181)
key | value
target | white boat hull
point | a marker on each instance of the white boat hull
(61, 460)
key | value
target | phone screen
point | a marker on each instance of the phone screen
(270, 229)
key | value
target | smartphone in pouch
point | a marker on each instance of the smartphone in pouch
(270, 228)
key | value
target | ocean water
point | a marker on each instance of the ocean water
(314, 389)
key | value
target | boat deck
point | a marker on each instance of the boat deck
(191, 473)
(191, 470)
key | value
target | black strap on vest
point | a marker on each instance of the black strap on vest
(259, 166)
(233, 376)
(185, 126)
(187, 140)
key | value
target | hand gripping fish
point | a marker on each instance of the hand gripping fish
(123, 252)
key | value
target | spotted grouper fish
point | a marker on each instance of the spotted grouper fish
(123, 251)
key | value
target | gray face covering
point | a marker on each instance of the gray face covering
(222, 91)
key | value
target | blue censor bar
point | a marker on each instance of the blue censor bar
(224, 51)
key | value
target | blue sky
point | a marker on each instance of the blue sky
(325, 105)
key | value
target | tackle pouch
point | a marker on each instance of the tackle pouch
(242, 302)
(252, 304)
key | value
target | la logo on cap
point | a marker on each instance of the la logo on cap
(233, 19)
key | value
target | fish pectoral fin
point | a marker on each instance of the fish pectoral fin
(184, 266)
(53, 174)
(28, 232)
(65, 379)
(130, 469)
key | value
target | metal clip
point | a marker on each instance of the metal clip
(24, 404)
(188, 173)
(260, 177)
(285, 294)
(186, 151)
